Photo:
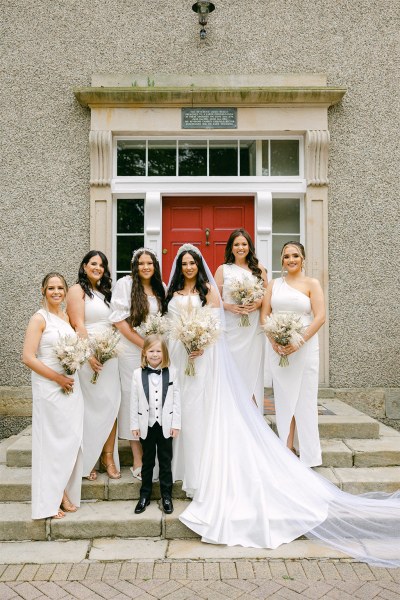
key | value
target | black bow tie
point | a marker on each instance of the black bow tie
(151, 370)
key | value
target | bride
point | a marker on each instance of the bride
(252, 491)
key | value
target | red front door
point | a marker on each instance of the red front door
(205, 222)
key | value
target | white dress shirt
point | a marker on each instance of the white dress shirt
(155, 399)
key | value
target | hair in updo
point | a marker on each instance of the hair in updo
(251, 259)
(104, 284)
(178, 279)
(46, 279)
(298, 245)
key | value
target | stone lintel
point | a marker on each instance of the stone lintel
(109, 97)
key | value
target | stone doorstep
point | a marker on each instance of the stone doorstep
(342, 427)
(338, 426)
(382, 452)
(335, 453)
(150, 549)
(93, 520)
(15, 484)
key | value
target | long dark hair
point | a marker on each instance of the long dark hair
(178, 280)
(104, 284)
(139, 301)
(251, 258)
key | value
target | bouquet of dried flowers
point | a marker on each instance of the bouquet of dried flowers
(72, 351)
(197, 328)
(103, 346)
(244, 292)
(285, 328)
(153, 324)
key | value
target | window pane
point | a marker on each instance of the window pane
(162, 159)
(284, 157)
(286, 215)
(131, 159)
(265, 158)
(192, 158)
(277, 244)
(125, 247)
(247, 157)
(130, 216)
(223, 158)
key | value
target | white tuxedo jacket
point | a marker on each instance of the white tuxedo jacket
(171, 404)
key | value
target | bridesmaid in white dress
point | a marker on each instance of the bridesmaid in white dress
(134, 297)
(296, 386)
(189, 283)
(247, 344)
(57, 411)
(89, 310)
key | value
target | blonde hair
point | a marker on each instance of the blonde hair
(45, 285)
(299, 246)
(149, 341)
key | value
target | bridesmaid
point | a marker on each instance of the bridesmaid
(296, 386)
(89, 309)
(246, 344)
(57, 416)
(135, 296)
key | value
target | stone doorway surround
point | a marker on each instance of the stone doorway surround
(268, 104)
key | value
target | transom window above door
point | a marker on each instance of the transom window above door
(272, 157)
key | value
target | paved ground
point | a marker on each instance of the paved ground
(180, 580)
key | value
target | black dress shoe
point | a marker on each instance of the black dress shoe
(141, 505)
(167, 505)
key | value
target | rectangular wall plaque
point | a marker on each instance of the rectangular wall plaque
(209, 118)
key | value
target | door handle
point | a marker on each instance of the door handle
(207, 231)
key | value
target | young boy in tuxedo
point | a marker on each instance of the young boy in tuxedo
(155, 418)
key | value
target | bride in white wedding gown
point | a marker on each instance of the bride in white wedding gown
(252, 490)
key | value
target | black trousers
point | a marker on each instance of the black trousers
(155, 441)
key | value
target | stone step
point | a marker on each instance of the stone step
(15, 486)
(382, 452)
(15, 483)
(363, 480)
(18, 453)
(94, 520)
(342, 426)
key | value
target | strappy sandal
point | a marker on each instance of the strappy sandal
(60, 514)
(92, 475)
(137, 473)
(110, 467)
(67, 506)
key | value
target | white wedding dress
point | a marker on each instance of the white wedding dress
(129, 354)
(296, 386)
(57, 429)
(196, 393)
(101, 399)
(247, 344)
(252, 491)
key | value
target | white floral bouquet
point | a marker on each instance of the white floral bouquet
(72, 351)
(197, 328)
(285, 328)
(244, 292)
(103, 346)
(153, 324)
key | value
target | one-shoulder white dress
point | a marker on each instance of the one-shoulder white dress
(101, 399)
(296, 386)
(247, 344)
(57, 429)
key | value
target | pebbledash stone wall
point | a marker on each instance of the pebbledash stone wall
(48, 47)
